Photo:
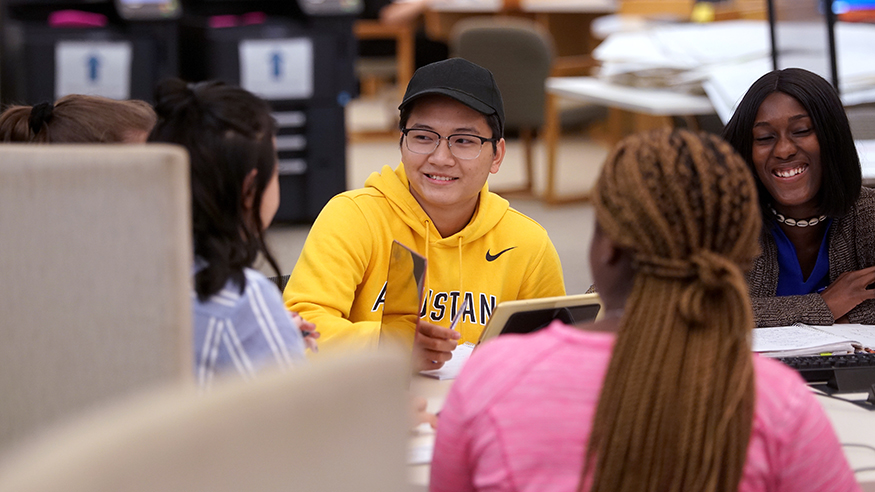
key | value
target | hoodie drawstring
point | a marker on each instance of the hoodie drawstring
(461, 286)
(427, 239)
(427, 269)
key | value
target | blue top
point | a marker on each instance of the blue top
(241, 333)
(790, 279)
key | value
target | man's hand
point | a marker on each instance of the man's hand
(433, 346)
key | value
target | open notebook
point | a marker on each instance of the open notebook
(801, 339)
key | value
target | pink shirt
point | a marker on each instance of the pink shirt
(518, 417)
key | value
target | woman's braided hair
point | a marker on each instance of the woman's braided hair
(676, 407)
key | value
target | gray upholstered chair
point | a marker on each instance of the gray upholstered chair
(519, 53)
(335, 426)
(862, 121)
(95, 262)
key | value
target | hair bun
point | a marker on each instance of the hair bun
(40, 114)
(171, 96)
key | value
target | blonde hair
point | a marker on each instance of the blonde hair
(77, 118)
(676, 408)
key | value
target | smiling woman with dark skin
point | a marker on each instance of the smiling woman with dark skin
(818, 258)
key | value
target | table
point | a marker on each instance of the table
(853, 425)
(568, 21)
(435, 391)
(659, 103)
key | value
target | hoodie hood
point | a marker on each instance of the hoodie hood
(393, 184)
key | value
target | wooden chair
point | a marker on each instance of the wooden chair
(95, 269)
(371, 70)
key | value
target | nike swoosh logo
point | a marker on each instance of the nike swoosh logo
(490, 257)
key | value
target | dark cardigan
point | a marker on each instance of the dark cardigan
(851, 247)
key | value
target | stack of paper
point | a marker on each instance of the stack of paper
(725, 58)
(800, 340)
(680, 55)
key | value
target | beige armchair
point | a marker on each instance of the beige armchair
(339, 425)
(95, 260)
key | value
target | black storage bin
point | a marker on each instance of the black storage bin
(311, 140)
(30, 46)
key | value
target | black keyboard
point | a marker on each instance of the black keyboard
(851, 373)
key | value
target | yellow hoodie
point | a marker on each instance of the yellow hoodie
(500, 255)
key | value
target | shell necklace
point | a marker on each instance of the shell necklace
(797, 222)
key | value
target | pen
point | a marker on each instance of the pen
(458, 316)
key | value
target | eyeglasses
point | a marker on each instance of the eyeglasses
(461, 145)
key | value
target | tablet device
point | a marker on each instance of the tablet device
(402, 297)
(529, 315)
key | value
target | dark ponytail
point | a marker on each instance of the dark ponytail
(228, 132)
(40, 116)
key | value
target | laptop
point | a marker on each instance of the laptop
(530, 315)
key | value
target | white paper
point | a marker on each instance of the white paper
(864, 334)
(717, 42)
(277, 68)
(420, 448)
(635, 47)
(452, 367)
(420, 454)
(687, 45)
(866, 151)
(96, 68)
(798, 339)
(727, 84)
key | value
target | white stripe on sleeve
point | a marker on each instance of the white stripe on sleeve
(268, 324)
(214, 353)
(237, 352)
(203, 366)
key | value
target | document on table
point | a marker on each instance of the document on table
(800, 340)
(864, 334)
(421, 445)
(451, 369)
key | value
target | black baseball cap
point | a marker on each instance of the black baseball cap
(466, 82)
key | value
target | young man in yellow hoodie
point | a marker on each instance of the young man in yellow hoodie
(437, 203)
